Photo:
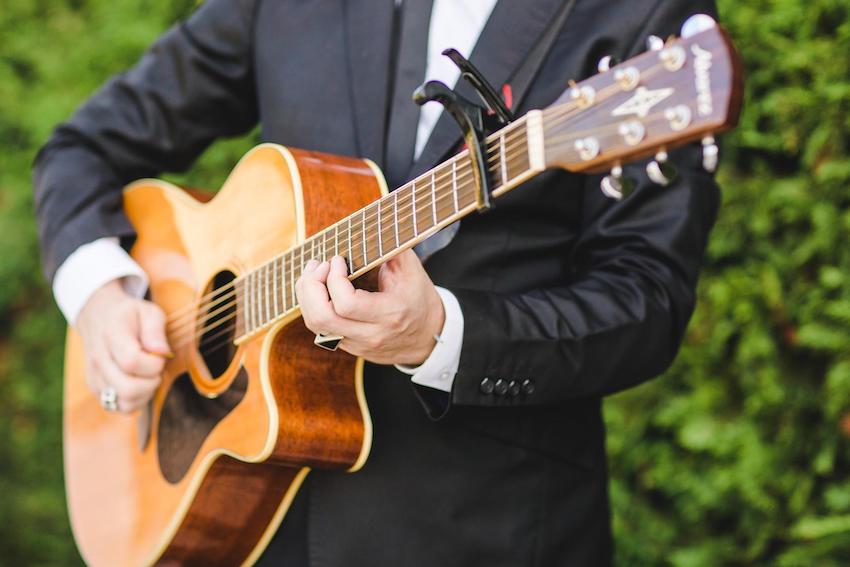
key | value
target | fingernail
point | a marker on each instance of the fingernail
(311, 265)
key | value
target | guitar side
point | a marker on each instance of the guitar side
(209, 477)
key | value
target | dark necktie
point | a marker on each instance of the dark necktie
(411, 60)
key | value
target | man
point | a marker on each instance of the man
(492, 453)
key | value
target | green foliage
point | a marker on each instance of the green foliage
(737, 456)
(52, 55)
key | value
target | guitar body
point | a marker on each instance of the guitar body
(206, 474)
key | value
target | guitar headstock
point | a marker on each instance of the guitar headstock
(677, 91)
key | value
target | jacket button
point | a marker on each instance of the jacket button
(528, 386)
(486, 386)
(514, 388)
(501, 387)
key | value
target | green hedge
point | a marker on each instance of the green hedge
(737, 456)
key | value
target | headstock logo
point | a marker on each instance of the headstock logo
(642, 102)
(702, 66)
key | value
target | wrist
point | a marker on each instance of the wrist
(109, 293)
(435, 320)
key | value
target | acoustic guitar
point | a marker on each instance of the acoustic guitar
(248, 405)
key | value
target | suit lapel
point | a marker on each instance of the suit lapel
(368, 26)
(509, 35)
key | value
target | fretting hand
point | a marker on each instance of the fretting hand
(395, 325)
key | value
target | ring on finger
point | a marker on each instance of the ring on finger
(327, 341)
(109, 399)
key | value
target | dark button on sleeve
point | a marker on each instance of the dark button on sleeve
(514, 388)
(528, 386)
(486, 386)
(501, 387)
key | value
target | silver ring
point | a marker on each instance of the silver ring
(328, 341)
(109, 399)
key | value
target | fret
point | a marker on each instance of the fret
(454, 183)
(503, 158)
(246, 310)
(434, 195)
(395, 217)
(336, 240)
(275, 306)
(350, 257)
(292, 275)
(324, 235)
(413, 204)
(255, 311)
(281, 284)
(380, 238)
(265, 293)
(363, 236)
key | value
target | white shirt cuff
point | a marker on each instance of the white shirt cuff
(439, 369)
(88, 268)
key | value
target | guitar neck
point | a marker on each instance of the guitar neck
(396, 222)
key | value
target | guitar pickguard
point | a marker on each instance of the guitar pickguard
(187, 418)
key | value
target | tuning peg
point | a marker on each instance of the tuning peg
(710, 153)
(606, 63)
(660, 171)
(616, 185)
(696, 24)
(654, 43)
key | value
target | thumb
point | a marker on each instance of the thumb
(152, 328)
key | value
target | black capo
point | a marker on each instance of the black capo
(475, 121)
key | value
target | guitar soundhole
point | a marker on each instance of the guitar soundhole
(217, 324)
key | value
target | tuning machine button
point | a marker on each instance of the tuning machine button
(587, 148)
(710, 154)
(583, 95)
(627, 78)
(679, 117)
(660, 171)
(696, 24)
(632, 132)
(654, 43)
(606, 63)
(616, 185)
(673, 57)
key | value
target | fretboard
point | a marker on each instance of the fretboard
(398, 221)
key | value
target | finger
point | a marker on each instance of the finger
(354, 304)
(127, 352)
(317, 310)
(152, 329)
(132, 391)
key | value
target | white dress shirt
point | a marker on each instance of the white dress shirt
(455, 24)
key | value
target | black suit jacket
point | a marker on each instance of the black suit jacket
(580, 295)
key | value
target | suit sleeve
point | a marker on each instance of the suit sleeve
(620, 318)
(194, 84)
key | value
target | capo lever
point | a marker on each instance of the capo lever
(484, 89)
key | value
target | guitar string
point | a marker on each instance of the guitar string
(497, 140)
(423, 200)
(443, 208)
(370, 217)
(445, 211)
(207, 348)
